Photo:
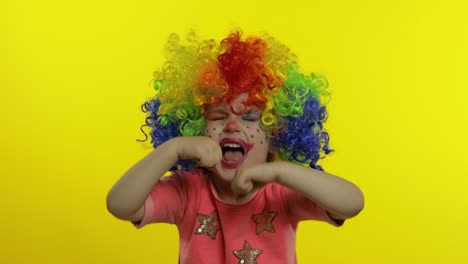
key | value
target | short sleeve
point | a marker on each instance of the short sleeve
(301, 208)
(166, 202)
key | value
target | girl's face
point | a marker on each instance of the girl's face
(236, 127)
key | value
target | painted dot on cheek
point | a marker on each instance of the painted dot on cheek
(251, 136)
(258, 131)
(214, 128)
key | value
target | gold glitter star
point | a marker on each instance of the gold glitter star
(264, 221)
(209, 225)
(247, 255)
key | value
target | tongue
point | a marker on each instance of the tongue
(232, 155)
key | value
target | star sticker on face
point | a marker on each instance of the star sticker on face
(247, 255)
(209, 225)
(264, 221)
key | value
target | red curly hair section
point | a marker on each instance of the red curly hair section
(244, 69)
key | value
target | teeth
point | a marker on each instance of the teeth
(232, 145)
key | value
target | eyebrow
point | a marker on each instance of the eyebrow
(218, 110)
(224, 110)
(252, 110)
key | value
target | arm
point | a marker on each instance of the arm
(127, 197)
(339, 197)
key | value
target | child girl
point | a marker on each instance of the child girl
(241, 129)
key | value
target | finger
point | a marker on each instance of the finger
(218, 169)
(212, 156)
(215, 168)
(210, 160)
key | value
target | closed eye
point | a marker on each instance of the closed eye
(251, 116)
(213, 116)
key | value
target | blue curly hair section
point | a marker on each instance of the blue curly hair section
(303, 139)
(165, 127)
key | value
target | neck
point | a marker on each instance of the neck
(225, 194)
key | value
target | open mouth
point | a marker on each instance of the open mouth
(234, 152)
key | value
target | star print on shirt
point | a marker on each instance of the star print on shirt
(264, 221)
(247, 255)
(209, 225)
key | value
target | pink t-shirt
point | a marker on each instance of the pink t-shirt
(263, 230)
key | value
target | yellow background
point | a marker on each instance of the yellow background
(74, 73)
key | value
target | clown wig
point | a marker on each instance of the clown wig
(202, 72)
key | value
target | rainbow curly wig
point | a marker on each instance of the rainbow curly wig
(202, 72)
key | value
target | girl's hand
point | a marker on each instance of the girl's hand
(204, 150)
(250, 179)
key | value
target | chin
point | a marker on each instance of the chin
(226, 175)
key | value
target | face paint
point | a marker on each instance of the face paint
(239, 134)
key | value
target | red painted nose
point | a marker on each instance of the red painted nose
(231, 126)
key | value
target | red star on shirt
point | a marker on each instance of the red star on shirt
(264, 221)
(247, 255)
(209, 225)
